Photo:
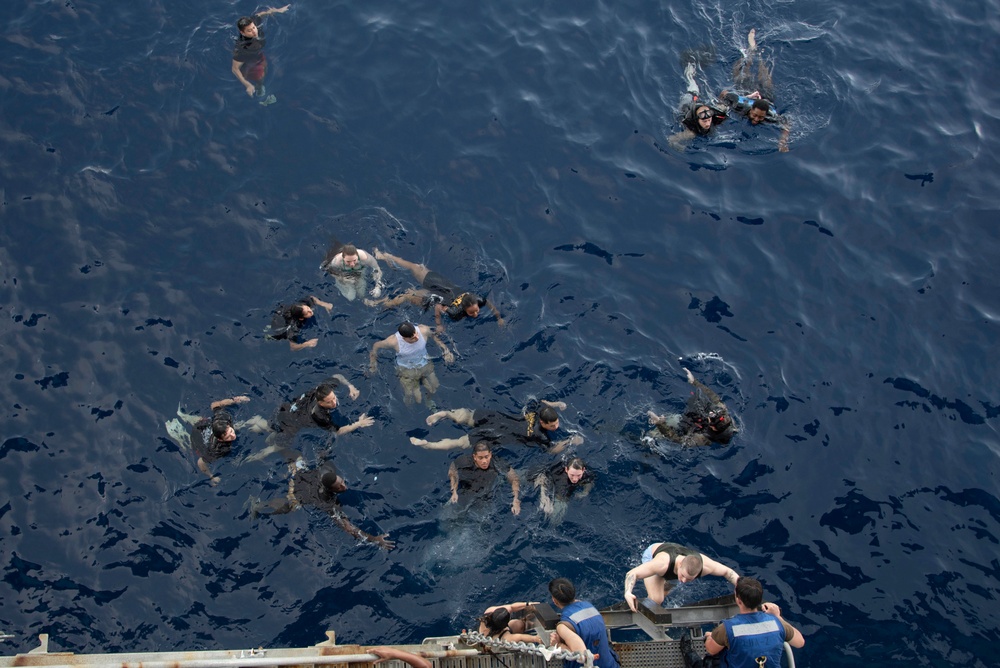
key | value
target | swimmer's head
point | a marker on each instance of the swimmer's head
(482, 455)
(496, 621)
(408, 331)
(703, 115)
(758, 112)
(222, 428)
(470, 305)
(575, 470)
(247, 27)
(350, 254)
(718, 420)
(333, 483)
(301, 311)
(548, 418)
(325, 396)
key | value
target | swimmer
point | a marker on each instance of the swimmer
(561, 481)
(413, 368)
(665, 564)
(706, 419)
(212, 438)
(698, 116)
(757, 106)
(538, 424)
(289, 320)
(435, 289)
(477, 475)
(350, 267)
(249, 62)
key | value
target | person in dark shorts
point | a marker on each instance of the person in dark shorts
(287, 321)
(249, 61)
(446, 297)
(477, 475)
(698, 116)
(665, 564)
(319, 488)
(757, 106)
(705, 420)
(537, 425)
(311, 410)
(212, 438)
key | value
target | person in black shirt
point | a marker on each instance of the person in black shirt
(212, 438)
(478, 474)
(287, 321)
(561, 481)
(757, 106)
(537, 425)
(249, 62)
(435, 289)
(698, 116)
(317, 487)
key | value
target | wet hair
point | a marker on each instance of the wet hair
(496, 622)
(576, 463)
(349, 249)
(298, 310)
(329, 479)
(548, 414)
(323, 391)
(562, 591)
(763, 105)
(407, 330)
(221, 424)
(692, 560)
(469, 299)
(481, 446)
(244, 21)
(750, 591)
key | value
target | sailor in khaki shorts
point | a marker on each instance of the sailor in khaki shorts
(413, 368)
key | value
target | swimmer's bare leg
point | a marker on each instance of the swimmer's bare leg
(445, 444)
(743, 69)
(461, 416)
(411, 296)
(419, 271)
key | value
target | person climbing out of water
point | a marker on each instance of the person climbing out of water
(249, 62)
(538, 424)
(497, 622)
(212, 438)
(665, 564)
(446, 297)
(477, 475)
(561, 481)
(311, 410)
(317, 487)
(705, 420)
(698, 116)
(287, 321)
(757, 631)
(350, 267)
(413, 367)
(580, 626)
(758, 105)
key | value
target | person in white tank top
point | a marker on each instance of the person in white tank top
(413, 367)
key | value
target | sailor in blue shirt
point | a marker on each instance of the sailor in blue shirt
(757, 632)
(580, 627)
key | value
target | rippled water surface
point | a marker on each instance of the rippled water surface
(841, 297)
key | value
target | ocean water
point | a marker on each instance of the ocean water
(841, 297)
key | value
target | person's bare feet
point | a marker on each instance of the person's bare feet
(434, 418)
(418, 441)
(752, 39)
(379, 255)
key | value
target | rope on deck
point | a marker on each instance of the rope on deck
(475, 638)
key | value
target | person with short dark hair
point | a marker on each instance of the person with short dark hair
(350, 267)
(665, 564)
(287, 322)
(414, 368)
(580, 627)
(756, 106)
(698, 116)
(477, 474)
(249, 62)
(757, 631)
(538, 424)
(312, 410)
(705, 420)
(318, 487)
(446, 297)
(498, 622)
(561, 481)
(212, 438)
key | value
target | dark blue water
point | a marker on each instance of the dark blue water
(841, 297)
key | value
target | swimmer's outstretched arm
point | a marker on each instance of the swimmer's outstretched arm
(544, 500)
(453, 481)
(341, 520)
(515, 489)
(495, 312)
(449, 357)
(273, 10)
(786, 131)
(222, 403)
